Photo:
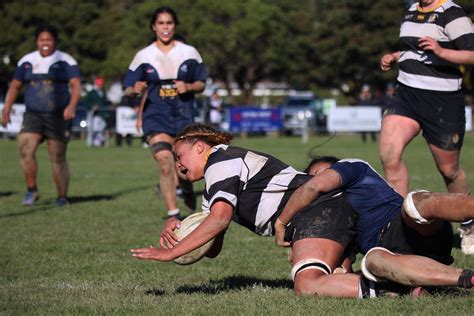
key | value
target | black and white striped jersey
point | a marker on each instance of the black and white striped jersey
(257, 185)
(449, 25)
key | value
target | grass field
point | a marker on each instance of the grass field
(76, 260)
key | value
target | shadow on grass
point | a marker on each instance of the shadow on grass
(6, 193)
(232, 283)
(51, 203)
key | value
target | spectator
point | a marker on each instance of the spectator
(47, 74)
(365, 98)
(215, 109)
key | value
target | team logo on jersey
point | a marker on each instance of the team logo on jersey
(455, 138)
(420, 17)
(184, 68)
(432, 18)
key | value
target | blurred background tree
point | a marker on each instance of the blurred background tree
(318, 45)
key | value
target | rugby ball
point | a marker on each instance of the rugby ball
(187, 226)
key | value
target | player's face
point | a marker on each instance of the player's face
(190, 159)
(45, 44)
(164, 28)
(318, 167)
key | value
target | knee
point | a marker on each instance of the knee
(451, 171)
(26, 153)
(389, 156)
(165, 161)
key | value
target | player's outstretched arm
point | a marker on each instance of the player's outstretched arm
(216, 223)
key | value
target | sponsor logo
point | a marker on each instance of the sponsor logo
(455, 138)
(184, 68)
(149, 70)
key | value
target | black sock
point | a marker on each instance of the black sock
(466, 278)
(33, 189)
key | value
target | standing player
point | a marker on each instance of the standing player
(171, 73)
(47, 74)
(428, 96)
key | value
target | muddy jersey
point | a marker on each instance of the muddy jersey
(160, 70)
(257, 185)
(46, 80)
(373, 200)
(447, 24)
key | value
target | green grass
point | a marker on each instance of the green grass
(75, 260)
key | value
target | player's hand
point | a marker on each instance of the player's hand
(168, 238)
(152, 253)
(139, 87)
(386, 61)
(5, 118)
(280, 229)
(180, 86)
(69, 112)
(427, 43)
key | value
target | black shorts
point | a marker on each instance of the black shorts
(331, 219)
(399, 238)
(49, 125)
(441, 114)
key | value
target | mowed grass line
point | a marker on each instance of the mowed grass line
(76, 260)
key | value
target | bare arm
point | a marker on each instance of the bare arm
(195, 87)
(325, 181)
(70, 110)
(216, 223)
(140, 111)
(451, 55)
(12, 94)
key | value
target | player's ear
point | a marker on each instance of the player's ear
(199, 147)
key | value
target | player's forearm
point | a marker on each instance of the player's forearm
(457, 56)
(300, 199)
(11, 96)
(196, 87)
(216, 223)
(75, 92)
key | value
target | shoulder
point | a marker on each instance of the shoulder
(188, 51)
(28, 58)
(143, 56)
(62, 56)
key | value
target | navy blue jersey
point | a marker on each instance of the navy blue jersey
(257, 185)
(46, 80)
(374, 201)
(160, 70)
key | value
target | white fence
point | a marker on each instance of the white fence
(366, 119)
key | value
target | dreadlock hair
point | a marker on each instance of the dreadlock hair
(205, 133)
(317, 159)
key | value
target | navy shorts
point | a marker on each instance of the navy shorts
(49, 125)
(332, 218)
(169, 118)
(399, 238)
(441, 114)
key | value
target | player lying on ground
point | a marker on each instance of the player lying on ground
(417, 227)
(252, 188)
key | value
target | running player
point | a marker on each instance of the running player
(169, 73)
